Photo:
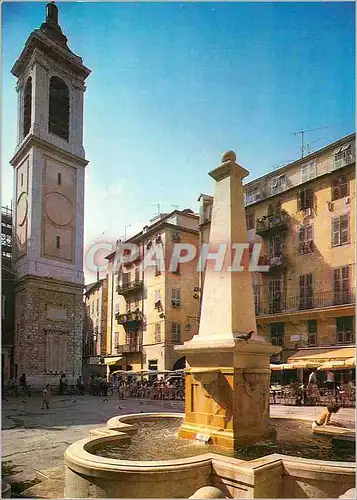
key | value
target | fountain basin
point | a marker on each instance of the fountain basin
(276, 475)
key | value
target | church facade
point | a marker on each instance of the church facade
(49, 166)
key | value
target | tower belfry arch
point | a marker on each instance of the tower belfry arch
(49, 165)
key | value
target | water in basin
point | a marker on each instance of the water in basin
(157, 439)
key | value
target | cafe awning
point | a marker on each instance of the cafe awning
(112, 361)
(321, 355)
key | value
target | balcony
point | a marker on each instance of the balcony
(132, 347)
(315, 301)
(276, 263)
(129, 286)
(129, 318)
(268, 224)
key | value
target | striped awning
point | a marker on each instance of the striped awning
(320, 355)
(112, 360)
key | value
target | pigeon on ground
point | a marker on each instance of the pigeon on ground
(74, 401)
(141, 411)
(246, 337)
(105, 399)
(120, 408)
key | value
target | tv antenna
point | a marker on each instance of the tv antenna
(303, 132)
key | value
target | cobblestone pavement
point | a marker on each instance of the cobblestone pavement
(36, 439)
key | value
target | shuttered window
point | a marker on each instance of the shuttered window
(305, 199)
(340, 230)
(339, 187)
(305, 291)
(306, 239)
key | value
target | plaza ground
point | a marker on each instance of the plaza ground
(34, 439)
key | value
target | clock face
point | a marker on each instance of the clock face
(59, 209)
(21, 209)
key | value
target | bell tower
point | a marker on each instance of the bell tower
(49, 165)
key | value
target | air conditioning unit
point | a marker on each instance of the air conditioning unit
(348, 200)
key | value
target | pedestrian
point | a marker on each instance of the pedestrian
(330, 381)
(46, 394)
(23, 383)
(80, 385)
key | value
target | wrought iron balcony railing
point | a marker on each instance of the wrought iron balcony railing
(129, 317)
(275, 262)
(129, 286)
(129, 348)
(313, 301)
(271, 223)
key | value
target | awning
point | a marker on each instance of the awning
(112, 361)
(332, 365)
(320, 355)
(283, 366)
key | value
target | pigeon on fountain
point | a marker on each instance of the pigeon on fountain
(246, 337)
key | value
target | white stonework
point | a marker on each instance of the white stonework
(49, 213)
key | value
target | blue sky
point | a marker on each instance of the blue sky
(173, 85)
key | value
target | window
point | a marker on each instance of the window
(277, 334)
(275, 296)
(152, 365)
(137, 274)
(58, 119)
(157, 295)
(305, 291)
(157, 332)
(305, 199)
(275, 245)
(341, 285)
(176, 297)
(125, 279)
(312, 332)
(59, 178)
(250, 220)
(58, 242)
(176, 333)
(27, 106)
(3, 300)
(278, 184)
(340, 230)
(251, 195)
(308, 171)
(344, 330)
(274, 208)
(257, 294)
(342, 156)
(306, 239)
(339, 187)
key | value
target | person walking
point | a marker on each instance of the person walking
(46, 394)
(23, 383)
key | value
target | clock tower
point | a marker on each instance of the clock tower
(49, 164)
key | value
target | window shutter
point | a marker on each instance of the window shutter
(335, 231)
(336, 279)
(309, 232)
(344, 229)
(299, 200)
(309, 196)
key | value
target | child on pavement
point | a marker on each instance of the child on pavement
(46, 393)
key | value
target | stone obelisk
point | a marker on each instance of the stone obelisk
(227, 379)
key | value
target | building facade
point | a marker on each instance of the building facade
(152, 310)
(49, 164)
(95, 332)
(7, 297)
(303, 215)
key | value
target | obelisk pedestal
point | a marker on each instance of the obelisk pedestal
(227, 380)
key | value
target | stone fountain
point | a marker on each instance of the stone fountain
(227, 380)
(226, 405)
